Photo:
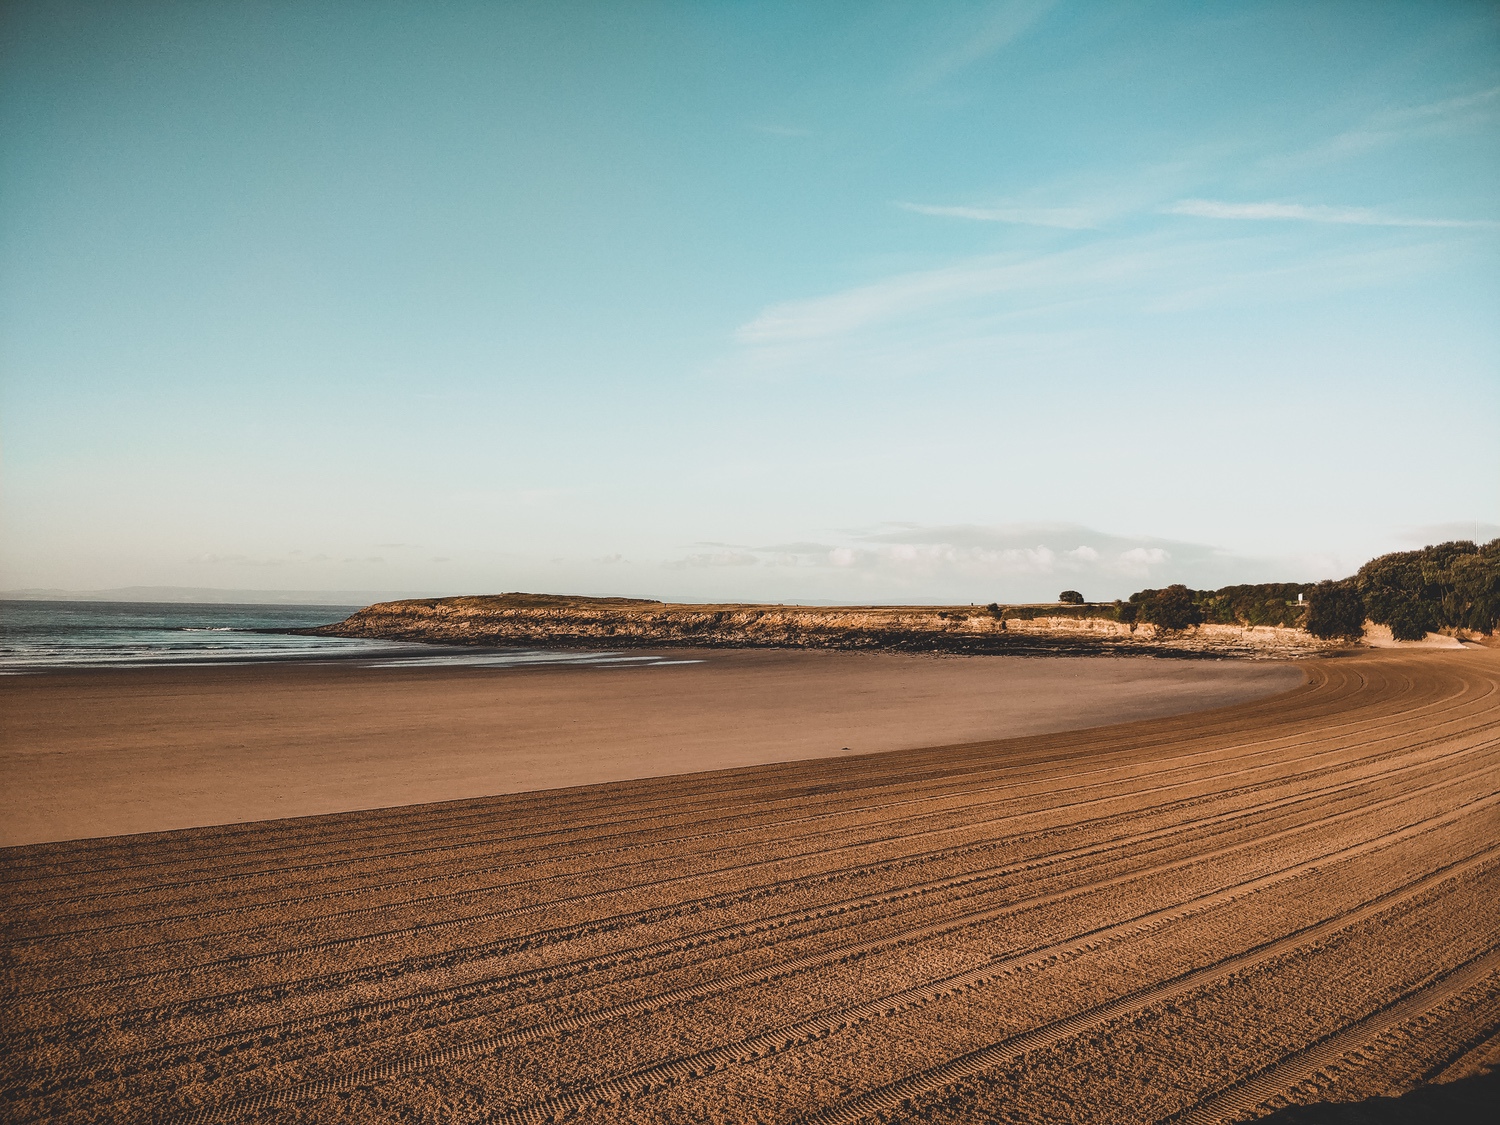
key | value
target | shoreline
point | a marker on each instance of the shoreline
(1038, 643)
(432, 653)
(99, 752)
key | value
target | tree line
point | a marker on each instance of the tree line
(1453, 585)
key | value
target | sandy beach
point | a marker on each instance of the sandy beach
(89, 754)
(1200, 918)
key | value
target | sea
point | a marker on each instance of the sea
(41, 636)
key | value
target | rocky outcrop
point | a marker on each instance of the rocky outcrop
(597, 623)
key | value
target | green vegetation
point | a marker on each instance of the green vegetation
(1453, 585)
(1070, 597)
(1174, 608)
(1177, 607)
(1266, 603)
(1335, 611)
(1076, 612)
(1448, 586)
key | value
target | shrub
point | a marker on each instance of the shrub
(1263, 603)
(1170, 609)
(1335, 610)
(1452, 585)
(1266, 603)
(1476, 589)
(1411, 620)
(1070, 597)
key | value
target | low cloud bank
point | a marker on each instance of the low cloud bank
(966, 562)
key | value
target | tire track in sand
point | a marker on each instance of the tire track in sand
(1245, 1097)
(787, 1036)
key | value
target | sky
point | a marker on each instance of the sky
(849, 302)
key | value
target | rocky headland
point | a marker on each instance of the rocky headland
(541, 620)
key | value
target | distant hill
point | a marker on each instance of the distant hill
(202, 595)
(553, 621)
(1453, 586)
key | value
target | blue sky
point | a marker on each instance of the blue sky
(744, 301)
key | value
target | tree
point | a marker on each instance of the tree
(1070, 597)
(1454, 585)
(1411, 620)
(1261, 603)
(1170, 609)
(1476, 588)
(1335, 609)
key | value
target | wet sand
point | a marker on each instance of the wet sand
(87, 754)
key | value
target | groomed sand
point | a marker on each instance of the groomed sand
(1193, 918)
(88, 754)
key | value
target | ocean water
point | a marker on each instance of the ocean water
(38, 636)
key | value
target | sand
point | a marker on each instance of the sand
(1379, 636)
(101, 753)
(1192, 919)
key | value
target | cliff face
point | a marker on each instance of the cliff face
(596, 623)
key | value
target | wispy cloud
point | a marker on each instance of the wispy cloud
(852, 309)
(1463, 107)
(1017, 313)
(1401, 123)
(1045, 307)
(1316, 213)
(904, 294)
(1067, 218)
(1003, 25)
